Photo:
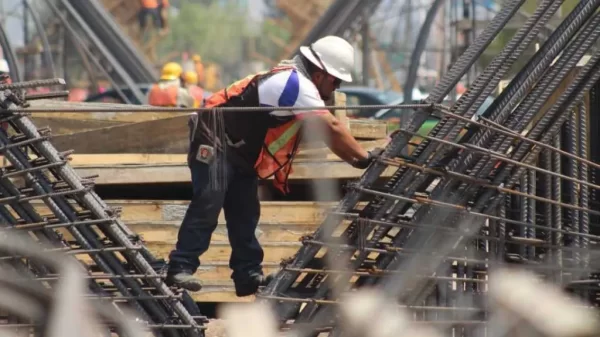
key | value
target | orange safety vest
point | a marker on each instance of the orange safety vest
(166, 97)
(280, 143)
(197, 93)
(149, 4)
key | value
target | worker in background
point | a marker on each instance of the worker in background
(231, 150)
(5, 71)
(170, 91)
(148, 9)
(199, 69)
(163, 16)
(191, 84)
(4, 79)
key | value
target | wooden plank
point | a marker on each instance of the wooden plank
(123, 117)
(166, 232)
(173, 158)
(220, 294)
(61, 126)
(179, 173)
(166, 135)
(157, 212)
(271, 211)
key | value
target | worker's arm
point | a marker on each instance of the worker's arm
(289, 89)
(337, 137)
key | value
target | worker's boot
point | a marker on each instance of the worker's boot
(250, 285)
(183, 279)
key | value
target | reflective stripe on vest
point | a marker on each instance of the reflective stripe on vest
(280, 142)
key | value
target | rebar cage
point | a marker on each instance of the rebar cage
(42, 196)
(515, 186)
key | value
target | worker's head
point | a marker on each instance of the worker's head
(4, 69)
(330, 61)
(190, 78)
(196, 58)
(171, 71)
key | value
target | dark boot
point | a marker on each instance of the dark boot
(183, 279)
(250, 285)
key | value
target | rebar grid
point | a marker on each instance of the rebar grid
(80, 225)
(513, 190)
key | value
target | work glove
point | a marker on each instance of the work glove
(364, 163)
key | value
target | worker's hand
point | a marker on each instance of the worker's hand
(372, 155)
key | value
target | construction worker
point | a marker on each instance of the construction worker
(170, 90)
(5, 71)
(163, 16)
(199, 68)
(191, 84)
(230, 150)
(148, 8)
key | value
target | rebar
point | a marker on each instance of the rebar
(131, 275)
(515, 189)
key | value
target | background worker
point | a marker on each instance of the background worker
(170, 90)
(199, 67)
(148, 9)
(163, 16)
(5, 71)
(230, 150)
(191, 84)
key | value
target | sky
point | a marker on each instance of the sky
(13, 24)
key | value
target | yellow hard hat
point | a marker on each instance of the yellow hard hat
(196, 58)
(171, 71)
(190, 77)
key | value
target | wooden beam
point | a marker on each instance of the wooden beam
(163, 212)
(179, 173)
(125, 117)
(61, 126)
(166, 135)
(82, 160)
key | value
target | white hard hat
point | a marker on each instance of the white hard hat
(4, 66)
(333, 53)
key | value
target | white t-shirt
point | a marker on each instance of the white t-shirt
(289, 88)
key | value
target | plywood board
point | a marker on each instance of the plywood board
(166, 135)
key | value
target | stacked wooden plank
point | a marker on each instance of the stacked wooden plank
(129, 150)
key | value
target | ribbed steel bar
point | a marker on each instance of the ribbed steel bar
(89, 241)
(96, 232)
(532, 212)
(550, 49)
(573, 94)
(524, 80)
(572, 139)
(567, 101)
(113, 231)
(534, 101)
(497, 68)
(584, 218)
